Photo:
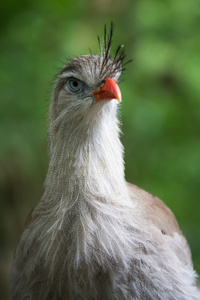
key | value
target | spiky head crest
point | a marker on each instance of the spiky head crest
(113, 63)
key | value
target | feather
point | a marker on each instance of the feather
(111, 64)
(93, 236)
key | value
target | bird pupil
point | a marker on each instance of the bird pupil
(74, 85)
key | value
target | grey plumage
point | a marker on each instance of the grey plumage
(92, 236)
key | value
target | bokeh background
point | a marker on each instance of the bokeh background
(160, 108)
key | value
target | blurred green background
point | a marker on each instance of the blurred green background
(160, 107)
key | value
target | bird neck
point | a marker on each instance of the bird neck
(85, 195)
(86, 161)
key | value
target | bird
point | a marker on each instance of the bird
(93, 235)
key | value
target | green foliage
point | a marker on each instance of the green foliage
(160, 108)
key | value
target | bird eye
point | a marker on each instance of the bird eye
(74, 85)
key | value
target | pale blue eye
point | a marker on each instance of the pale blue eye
(75, 85)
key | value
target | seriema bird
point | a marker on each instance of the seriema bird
(93, 236)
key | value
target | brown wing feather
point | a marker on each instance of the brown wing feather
(158, 214)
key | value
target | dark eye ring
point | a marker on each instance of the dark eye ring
(74, 85)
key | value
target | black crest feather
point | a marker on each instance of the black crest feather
(111, 64)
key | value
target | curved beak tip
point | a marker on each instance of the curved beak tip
(109, 91)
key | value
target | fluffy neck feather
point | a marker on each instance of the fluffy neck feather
(85, 194)
(86, 156)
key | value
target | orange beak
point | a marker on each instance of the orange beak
(109, 91)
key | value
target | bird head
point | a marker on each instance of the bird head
(87, 86)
